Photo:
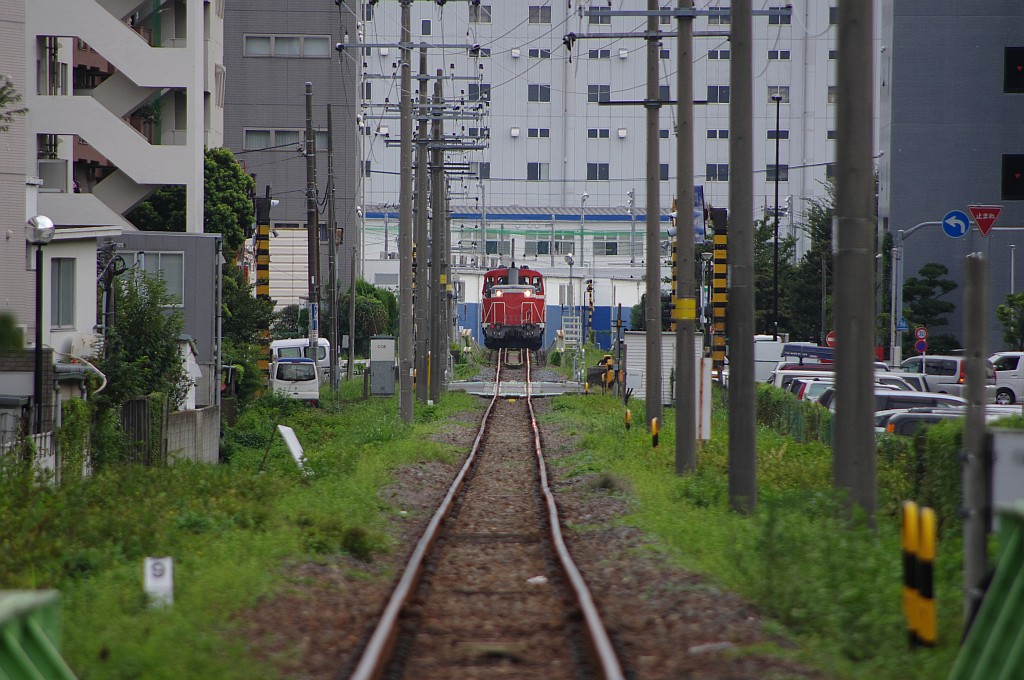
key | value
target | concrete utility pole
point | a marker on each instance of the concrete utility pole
(742, 424)
(685, 312)
(312, 229)
(422, 240)
(332, 257)
(854, 466)
(438, 223)
(652, 307)
(405, 319)
(352, 319)
(976, 303)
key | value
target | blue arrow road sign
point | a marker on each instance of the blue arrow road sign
(902, 326)
(956, 223)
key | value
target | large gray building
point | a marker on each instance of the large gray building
(953, 116)
(271, 50)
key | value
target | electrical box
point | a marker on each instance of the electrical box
(382, 365)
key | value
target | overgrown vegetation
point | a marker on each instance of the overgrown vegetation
(834, 585)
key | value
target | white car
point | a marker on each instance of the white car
(1009, 367)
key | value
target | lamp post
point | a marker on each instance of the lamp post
(1013, 256)
(777, 98)
(896, 351)
(39, 232)
(583, 199)
(631, 196)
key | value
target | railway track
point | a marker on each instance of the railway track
(490, 589)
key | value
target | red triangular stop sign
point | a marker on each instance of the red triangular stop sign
(985, 216)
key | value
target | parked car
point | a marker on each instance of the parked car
(1009, 368)
(888, 399)
(296, 379)
(908, 421)
(910, 381)
(947, 374)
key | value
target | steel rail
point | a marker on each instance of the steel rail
(371, 664)
(601, 644)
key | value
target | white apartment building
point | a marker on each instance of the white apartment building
(550, 141)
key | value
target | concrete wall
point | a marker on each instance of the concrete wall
(194, 435)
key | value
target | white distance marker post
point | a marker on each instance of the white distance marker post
(159, 580)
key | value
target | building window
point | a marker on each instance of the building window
(781, 55)
(716, 172)
(597, 171)
(308, 46)
(538, 93)
(1013, 177)
(481, 170)
(368, 90)
(62, 292)
(537, 172)
(367, 12)
(664, 93)
(663, 134)
(833, 16)
(833, 54)
(255, 139)
(1013, 70)
(480, 132)
(542, 133)
(830, 134)
(780, 90)
(366, 169)
(479, 14)
(778, 19)
(721, 18)
(664, 21)
(782, 134)
(425, 27)
(477, 51)
(287, 138)
(599, 54)
(718, 134)
(599, 20)
(168, 266)
(783, 172)
(718, 54)
(664, 54)
(663, 172)
(540, 14)
(479, 92)
(539, 53)
(830, 171)
(606, 245)
(599, 93)
(598, 133)
(718, 94)
(833, 93)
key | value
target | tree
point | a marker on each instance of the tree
(921, 296)
(807, 289)
(11, 336)
(1011, 315)
(227, 202)
(376, 314)
(244, 315)
(764, 276)
(142, 353)
(8, 96)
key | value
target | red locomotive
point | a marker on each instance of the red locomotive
(513, 308)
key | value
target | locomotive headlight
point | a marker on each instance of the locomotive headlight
(498, 293)
(527, 293)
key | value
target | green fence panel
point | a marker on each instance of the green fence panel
(994, 648)
(30, 636)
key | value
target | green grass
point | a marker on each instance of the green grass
(833, 585)
(230, 529)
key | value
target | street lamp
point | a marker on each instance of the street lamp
(896, 335)
(583, 199)
(39, 231)
(777, 98)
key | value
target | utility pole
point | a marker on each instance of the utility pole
(854, 466)
(483, 224)
(685, 312)
(653, 303)
(631, 200)
(352, 319)
(742, 424)
(332, 256)
(976, 465)
(312, 228)
(438, 223)
(405, 316)
(422, 240)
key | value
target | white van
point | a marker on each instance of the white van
(1009, 367)
(296, 379)
(295, 348)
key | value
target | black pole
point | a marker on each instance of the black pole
(777, 98)
(37, 426)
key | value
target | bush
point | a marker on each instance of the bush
(555, 358)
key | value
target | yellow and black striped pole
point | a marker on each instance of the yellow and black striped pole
(719, 287)
(926, 625)
(910, 541)
(263, 274)
(654, 433)
(629, 419)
